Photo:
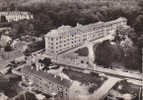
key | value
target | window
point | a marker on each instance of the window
(87, 63)
(82, 62)
(51, 39)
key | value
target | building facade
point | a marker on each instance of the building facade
(47, 83)
(67, 37)
(16, 15)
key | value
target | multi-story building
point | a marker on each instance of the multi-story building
(47, 83)
(16, 15)
(67, 37)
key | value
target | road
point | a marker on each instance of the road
(104, 89)
(107, 71)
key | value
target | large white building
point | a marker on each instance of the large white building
(16, 15)
(67, 37)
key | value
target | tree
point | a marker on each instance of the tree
(133, 59)
(8, 48)
(139, 23)
(12, 7)
(102, 57)
(3, 19)
(140, 41)
(125, 33)
(106, 54)
(126, 44)
(140, 4)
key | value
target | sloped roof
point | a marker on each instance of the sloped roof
(47, 76)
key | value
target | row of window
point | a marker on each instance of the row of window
(69, 44)
(58, 50)
(78, 36)
(48, 84)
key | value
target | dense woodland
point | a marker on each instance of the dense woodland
(49, 16)
(122, 51)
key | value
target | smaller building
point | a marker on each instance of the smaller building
(16, 15)
(47, 83)
(74, 58)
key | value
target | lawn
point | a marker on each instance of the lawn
(87, 79)
(82, 52)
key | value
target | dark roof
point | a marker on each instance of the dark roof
(47, 76)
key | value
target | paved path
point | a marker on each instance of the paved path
(117, 72)
(15, 70)
(105, 88)
(91, 51)
(108, 71)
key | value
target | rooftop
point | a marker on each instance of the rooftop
(80, 29)
(14, 12)
(4, 28)
(47, 76)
